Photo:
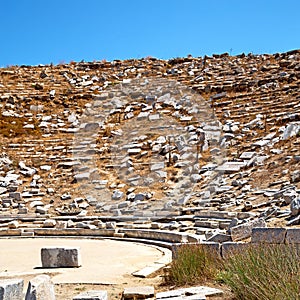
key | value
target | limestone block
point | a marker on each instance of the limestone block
(198, 292)
(117, 195)
(63, 257)
(92, 295)
(295, 207)
(15, 195)
(141, 292)
(268, 235)
(292, 236)
(10, 232)
(13, 225)
(40, 288)
(49, 223)
(11, 289)
(82, 176)
(161, 235)
(244, 231)
(219, 238)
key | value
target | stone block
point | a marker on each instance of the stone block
(292, 236)
(13, 225)
(64, 257)
(230, 167)
(173, 296)
(92, 295)
(161, 235)
(82, 176)
(40, 288)
(207, 224)
(198, 292)
(219, 238)
(23, 210)
(230, 248)
(10, 232)
(140, 292)
(27, 232)
(268, 235)
(15, 195)
(247, 155)
(295, 207)
(11, 289)
(149, 270)
(244, 231)
(49, 223)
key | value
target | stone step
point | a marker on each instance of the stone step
(27, 232)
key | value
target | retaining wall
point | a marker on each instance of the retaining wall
(270, 236)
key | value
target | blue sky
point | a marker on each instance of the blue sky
(44, 31)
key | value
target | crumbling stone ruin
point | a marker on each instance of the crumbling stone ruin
(186, 149)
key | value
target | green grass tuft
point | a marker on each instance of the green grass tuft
(193, 264)
(267, 272)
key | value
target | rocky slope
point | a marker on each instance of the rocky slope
(198, 145)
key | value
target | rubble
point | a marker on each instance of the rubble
(155, 140)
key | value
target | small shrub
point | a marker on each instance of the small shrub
(193, 264)
(264, 272)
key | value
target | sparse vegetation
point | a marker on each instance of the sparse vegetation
(262, 272)
(193, 264)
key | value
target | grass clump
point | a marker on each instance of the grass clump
(264, 272)
(269, 272)
(193, 264)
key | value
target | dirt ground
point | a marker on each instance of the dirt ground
(67, 291)
(106, 265)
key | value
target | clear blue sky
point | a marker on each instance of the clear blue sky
(44, 31)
